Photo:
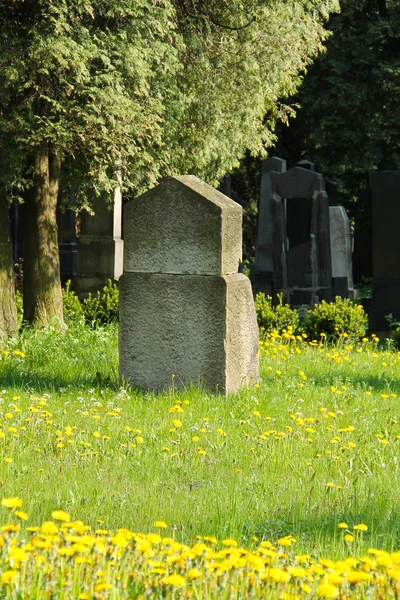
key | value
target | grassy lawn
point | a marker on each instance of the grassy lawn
(314, 445)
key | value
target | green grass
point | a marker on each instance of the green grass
(261, 463)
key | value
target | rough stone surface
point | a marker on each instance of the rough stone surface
(182, 226)
(200, 328)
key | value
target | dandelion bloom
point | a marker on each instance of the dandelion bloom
(9, 576)
(175, 580)
(327, 590)
(21, 515)
(160, 524)
(361, 527)
(12, 502)
(60, 515)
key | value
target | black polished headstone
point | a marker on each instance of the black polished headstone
(385, 187)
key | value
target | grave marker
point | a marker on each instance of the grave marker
(186, 314)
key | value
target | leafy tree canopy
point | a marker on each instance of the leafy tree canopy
(350, 112)
(148, 87)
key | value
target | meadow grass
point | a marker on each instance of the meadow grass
(314, 445)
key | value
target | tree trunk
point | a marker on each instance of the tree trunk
(8, 307)
(42, 283)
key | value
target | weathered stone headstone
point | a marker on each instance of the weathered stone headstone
(186, 314)
(385, 187)
(342, 271)
(100, 246)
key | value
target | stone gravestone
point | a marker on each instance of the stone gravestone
(186, 314)
(385, 187)
(293, 243)
(342, 270)
(263, 275)
(100, 245)
(67, 244)
(301, 248)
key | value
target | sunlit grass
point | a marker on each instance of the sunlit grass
(314, 445)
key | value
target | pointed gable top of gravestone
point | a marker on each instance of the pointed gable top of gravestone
(182, 226)
(298, 183)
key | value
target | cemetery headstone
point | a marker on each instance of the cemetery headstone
(307, 253)
(100, 246)
(342, 271)
(186, 315)
(385, 187)
(293, 242)
(67, 244)
(269, 221)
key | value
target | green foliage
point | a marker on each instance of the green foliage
(341, 318)
(395, 336)
(358, 75)
(95, 310)
(20, 306)
(72, 307)
(102, 308)
(274, 318)
(148, 88)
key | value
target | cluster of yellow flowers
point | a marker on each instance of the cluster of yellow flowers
(66, 559)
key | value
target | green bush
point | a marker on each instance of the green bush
(95, 310)
(73, 309)
(339, 319)
(395, 336)
(102, 308)
(274, 318)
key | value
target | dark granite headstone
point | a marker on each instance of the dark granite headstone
(385, 187)
(307, 253)
(262, 277)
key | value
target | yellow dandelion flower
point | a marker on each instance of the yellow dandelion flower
(194, 574)
(60, 515)
(12, 502)
(349, 538)
(176, 423)
(101, 587)
(175, 580)
(21, 515)
(343, 525)
(328, 590)
(160, 524)
(9, 576)
(229, 542)
(361, 527)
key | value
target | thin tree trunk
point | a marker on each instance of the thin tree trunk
(8, 307)
(42, 283)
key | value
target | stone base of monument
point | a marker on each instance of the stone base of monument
(189, 329)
